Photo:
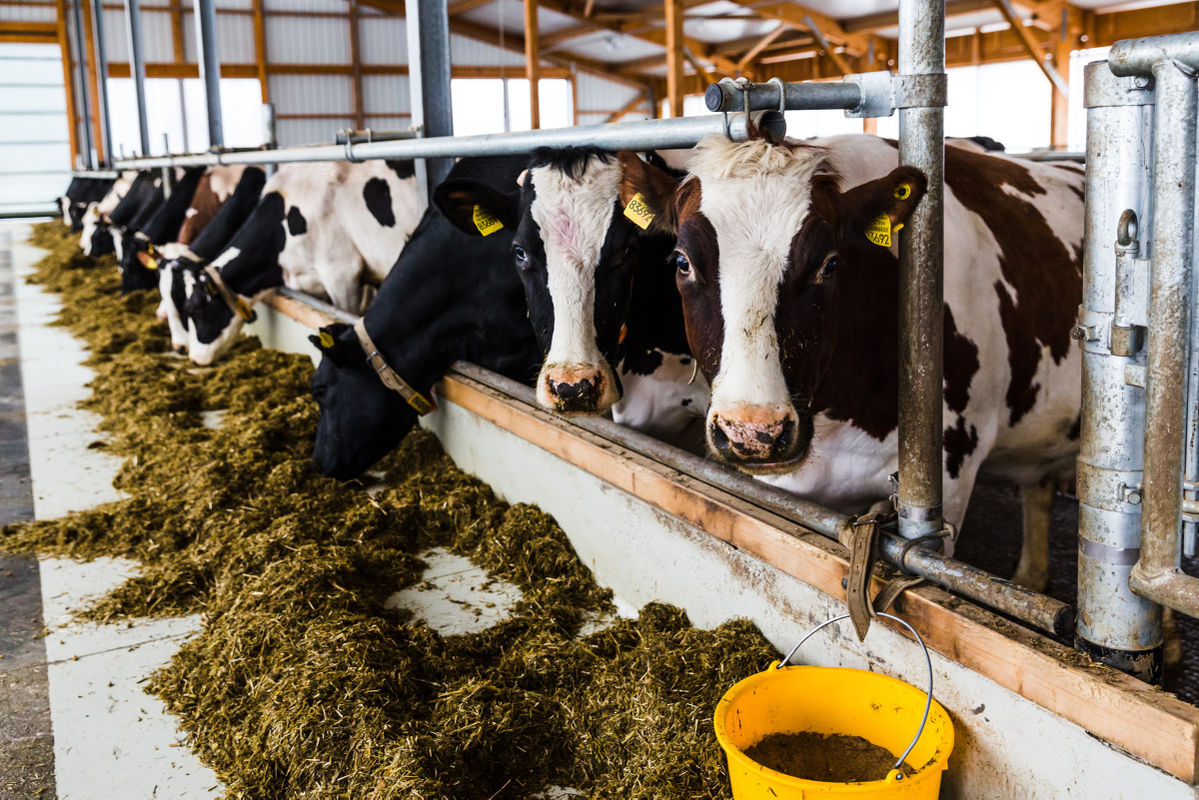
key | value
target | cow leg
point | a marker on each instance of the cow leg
(1171, 643)
(1033, 570)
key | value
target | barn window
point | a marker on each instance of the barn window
(495, 105)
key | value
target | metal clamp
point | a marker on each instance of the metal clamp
(928, 702)
(878, 95)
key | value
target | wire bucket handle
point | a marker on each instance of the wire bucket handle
(928, 701)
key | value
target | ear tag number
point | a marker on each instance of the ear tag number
(326, 340)
(638, 211)
(485, 221)
(903, 191)
(879, 231)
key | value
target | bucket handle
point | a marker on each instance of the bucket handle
(928, 701)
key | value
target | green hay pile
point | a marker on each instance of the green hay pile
(301, 684)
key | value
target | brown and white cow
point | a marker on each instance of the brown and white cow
(787, 267)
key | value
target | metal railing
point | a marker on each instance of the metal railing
(1140, 459)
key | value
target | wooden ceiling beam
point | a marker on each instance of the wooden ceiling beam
(749, 55)
(1035, 51)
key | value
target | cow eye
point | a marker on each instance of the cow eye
(831, 262)
(681, 263)
(519, 253)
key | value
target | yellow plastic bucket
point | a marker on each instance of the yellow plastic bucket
(883, 710)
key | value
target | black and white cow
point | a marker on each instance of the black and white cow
(329, 230)
(202, 238)
(81, 193)
(128, 196)
(162, 225)
(448, 297)
(580, 248)
(786, 264)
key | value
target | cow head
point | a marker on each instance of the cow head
(212, 326)
(175, 265)
(772, 263)
(361, 419)
(96, 239)
(139, 262)
(576, 251)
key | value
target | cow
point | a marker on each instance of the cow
(102, 230)
(448, 297)
(579, 251)
(82, 192)
(330, 230)
(160, 226)
(203, 236)
(787, 269)
(95, 238)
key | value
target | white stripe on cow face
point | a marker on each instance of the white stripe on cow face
(91, 221)
(574, 217)
(756, 196)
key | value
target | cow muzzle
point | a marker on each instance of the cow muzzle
(576, 388)
(759, 440)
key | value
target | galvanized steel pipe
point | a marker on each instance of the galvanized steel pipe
(210, 69)
(921, 303)
(1115, 626)
(85, 104)
(101, 84)
(1132, 57)
(137, 69)
(728, 96)
(1171, 296)
(658, 134)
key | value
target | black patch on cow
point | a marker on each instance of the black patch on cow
(958, 444)
(570, 161)
(222, 228)
(640, 361)
(403, 168)
(686, 401)
(961, 365)
(1076, 428)
(296, 224)
(378, 201)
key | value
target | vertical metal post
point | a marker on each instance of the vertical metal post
(1115, 626)
(428, 26)
(102, 81)
(270, 137)
(210, 69)
(1171, 295)
(85, 104)
(921, 252)
(166, 171)
(137, 69)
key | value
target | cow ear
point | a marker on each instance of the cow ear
(878, 209)
(328, 341)
(646, 194)
(475, 208)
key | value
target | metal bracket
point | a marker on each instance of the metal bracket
(878, 95)
(1190, 501)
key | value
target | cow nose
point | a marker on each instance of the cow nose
(750, 435)
(576, 389)
(181, 349)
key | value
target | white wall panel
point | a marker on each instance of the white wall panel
(310, 131)
(245, 5)
(385, 123)
(296, 40)
(312, 94)
(598, 94)
(336, 6)
(19, 13)
(116, 45)
(383, 40)
(157, 38)
(235, 38)
(385, 94)
(469, 52)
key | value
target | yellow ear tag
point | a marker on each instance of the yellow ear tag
(485, 221)
(903, 191)
(639, 212)
(879, 231)
(243, 309)
(326, 340)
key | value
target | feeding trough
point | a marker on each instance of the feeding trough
(839, 702)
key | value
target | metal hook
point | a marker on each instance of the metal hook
(782, 92)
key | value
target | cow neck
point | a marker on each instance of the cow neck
(860, 384)
(259, 242)
(164, 225)
(655, 318)
(238, 306)
(390, 378)
(233, 212)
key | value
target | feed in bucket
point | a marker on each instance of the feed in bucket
(847, 703)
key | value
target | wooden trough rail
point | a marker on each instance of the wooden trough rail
(1130, 714)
